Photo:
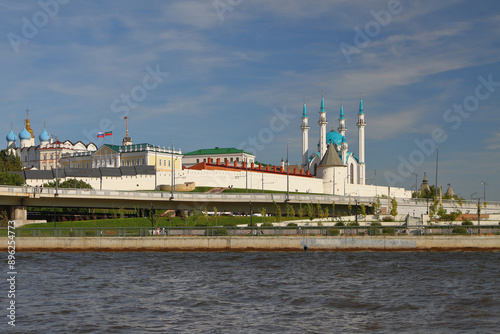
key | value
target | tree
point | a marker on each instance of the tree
(215, 215)
(11, 179)
(10, 162)
(333, 209)
(71, 183)
(362, 210)
(441, 212)
(319, 211)
(394, 207)
(376, 207)
(263, 214)
(301, 212)
(278, 211)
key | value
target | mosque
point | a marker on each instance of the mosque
(332, 169)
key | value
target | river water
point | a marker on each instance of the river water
(256, 292)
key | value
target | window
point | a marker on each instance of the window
(138, 162)
(133, 162)
(78, 165)
(128, 162)
(169, 163)
(204, 160)
(143, 161)
(45, 157)
(231, 159)
(237, 159)
(87, 165)
(351, 177)
(123, 162)
(197, 161)
(51, 156)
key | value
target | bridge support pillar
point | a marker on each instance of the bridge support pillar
(19, 214)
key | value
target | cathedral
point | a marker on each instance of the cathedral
(47, 154)
(333, 162)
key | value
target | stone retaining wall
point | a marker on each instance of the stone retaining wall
(376, 243)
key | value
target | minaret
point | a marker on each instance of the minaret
(343, 150)
(305, 138)
(361, 141)
(322, 127)
(342, 127)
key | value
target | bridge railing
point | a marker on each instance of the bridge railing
(254, 231)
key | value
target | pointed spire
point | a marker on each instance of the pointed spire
(360, 104)
(322, 109)
(304, 110)
(341, 110)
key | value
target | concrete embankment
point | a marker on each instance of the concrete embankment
(264, 243)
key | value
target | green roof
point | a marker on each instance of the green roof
(135, 147)
(217, 150)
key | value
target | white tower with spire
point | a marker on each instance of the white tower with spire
(322, 128)
(342, 127)
(305, 138)
(361, 142)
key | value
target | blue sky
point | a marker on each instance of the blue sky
(231, 70)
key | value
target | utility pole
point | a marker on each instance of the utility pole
(484, 189)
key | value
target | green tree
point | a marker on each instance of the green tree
(10, 162)
(278, 211)
(215, 215)
(441, 212)
(333, 209)
(11, 179)
(394, 207)
(71, 183)
(301, 212)
(263, 214)
(377, 207)
(362, 210)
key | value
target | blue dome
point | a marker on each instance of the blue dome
(44, 136)
(11, 136)
(334, 137)
(24, 135)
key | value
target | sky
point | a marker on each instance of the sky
(235, 73)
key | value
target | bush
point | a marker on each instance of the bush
(339, 224)
(267, 224)
(334, 231)
(352, 224)
(388, 218)
(291, 224)
(90, 233)
(459, 230)
(216, 232)
(388, 230)
(376, 224)
(467, 222)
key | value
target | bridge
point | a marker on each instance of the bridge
(15, 200)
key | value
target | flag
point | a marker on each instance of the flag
(108, 133)
(100, 135)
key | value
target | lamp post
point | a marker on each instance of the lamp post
(416, 182)
(172, 171)
(287, 174)
(484, 189)
(437, 164)
(246, 175)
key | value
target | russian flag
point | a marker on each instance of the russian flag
(100, 135)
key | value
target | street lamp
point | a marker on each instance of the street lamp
(416, 182)
(484, 187)
(437, 162)
(287, 174)
(172, 171)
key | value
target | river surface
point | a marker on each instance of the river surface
(256, 292)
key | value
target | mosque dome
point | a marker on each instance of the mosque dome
(25, 135)
(334, 137)
(44, 136)
(11, 136)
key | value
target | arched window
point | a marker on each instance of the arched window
(351, 179)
